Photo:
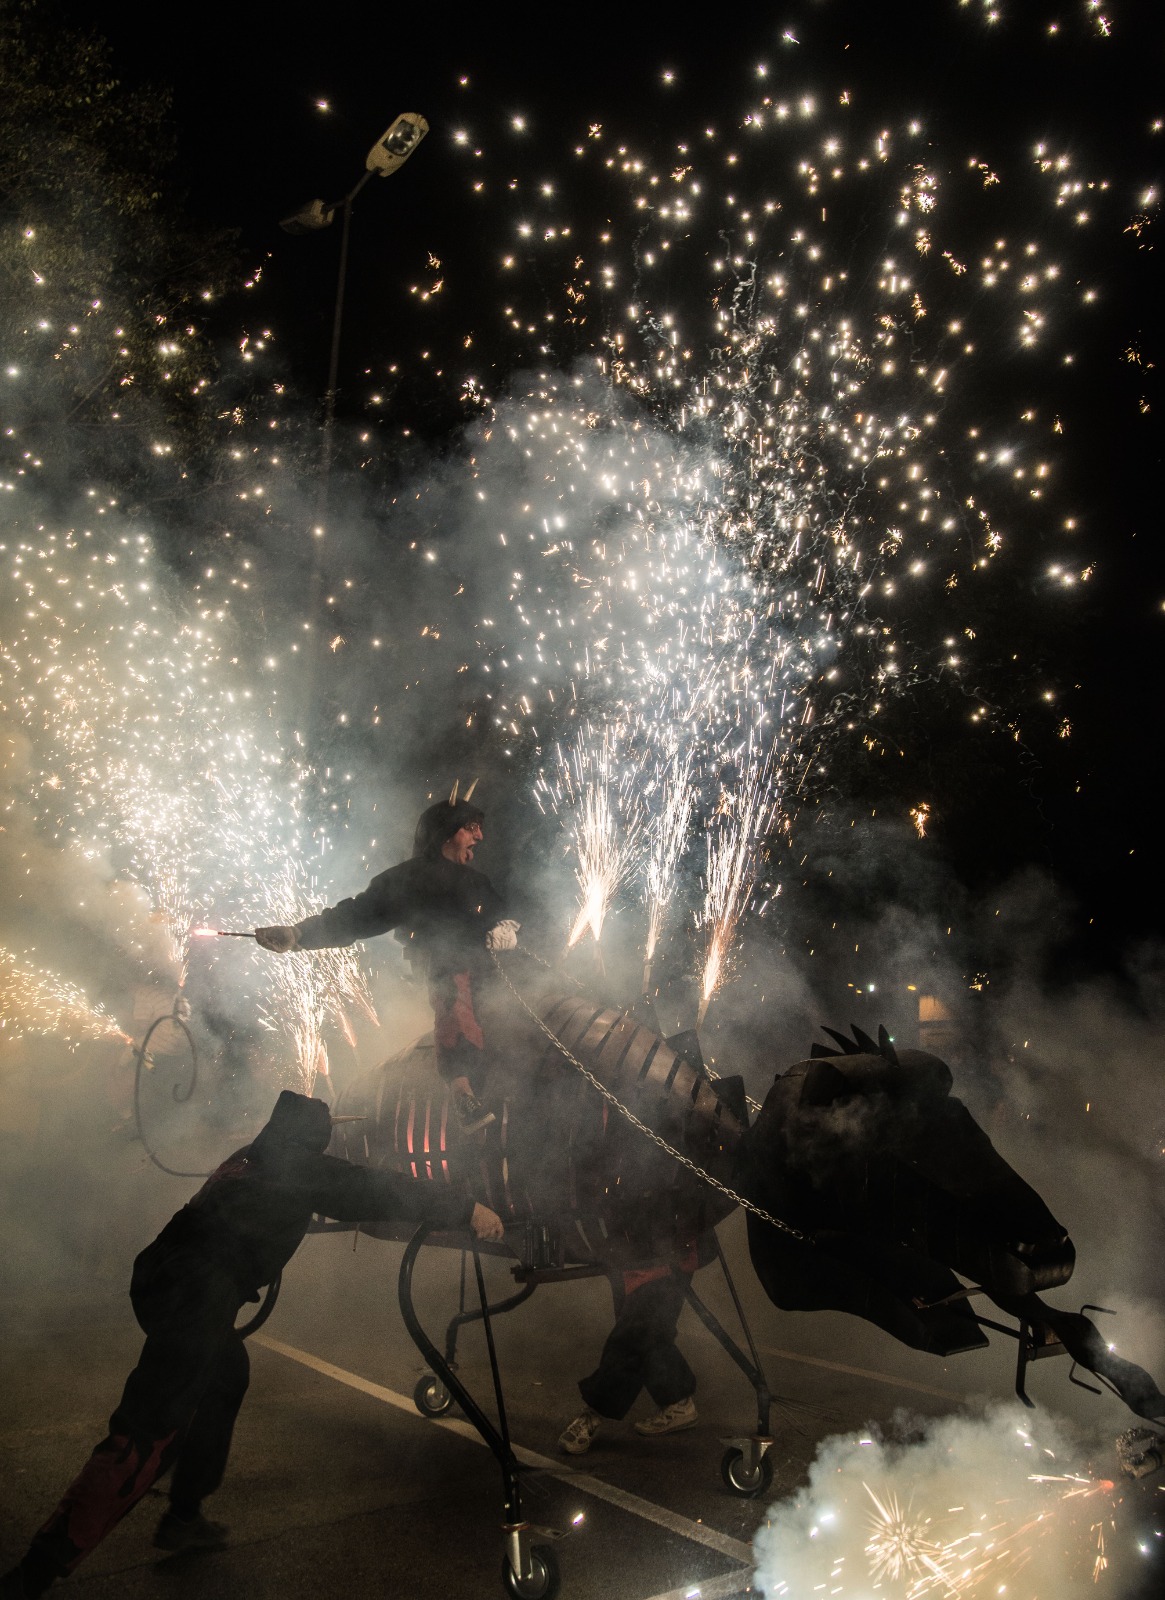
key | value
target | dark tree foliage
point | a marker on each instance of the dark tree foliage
(104, 288)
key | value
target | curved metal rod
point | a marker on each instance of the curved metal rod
(448, 1377)
(476, 1313)
(752, 1370)
(270, 1295)
(181, 1098)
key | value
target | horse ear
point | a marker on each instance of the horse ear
(453, 792)
(468, 795)
(886, 1045)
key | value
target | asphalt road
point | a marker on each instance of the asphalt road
(337, 1486)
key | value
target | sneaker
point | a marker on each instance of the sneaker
(472, 1116)
(195, 1533)
(672, 1419)
(577, 1439)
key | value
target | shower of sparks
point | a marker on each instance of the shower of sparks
(760, 504)
(740, 492)
(148, 749)
(949, 1554)
(34, 1000)
(899, 1548)
(605, 803)
(736, 836)
(955, 1512)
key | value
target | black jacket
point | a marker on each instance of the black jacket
(443, 909)
(251, 1214)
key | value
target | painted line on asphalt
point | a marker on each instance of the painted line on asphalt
(859, 1372)
(724, 1588)
(585, 1482)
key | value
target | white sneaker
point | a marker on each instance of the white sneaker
(577, 1438)
(672, 1419)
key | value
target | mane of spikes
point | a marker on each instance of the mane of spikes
(860, 1045)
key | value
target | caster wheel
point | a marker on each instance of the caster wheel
(742, 1480)
(544, 1580)
(431, 1397)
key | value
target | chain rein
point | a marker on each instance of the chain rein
(625, 1111)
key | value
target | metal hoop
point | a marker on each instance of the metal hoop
(180, 1096)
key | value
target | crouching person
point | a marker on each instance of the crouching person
(180, 1402)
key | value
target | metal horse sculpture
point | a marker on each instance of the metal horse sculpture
(870, 1189)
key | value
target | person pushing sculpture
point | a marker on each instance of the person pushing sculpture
(179, 1404)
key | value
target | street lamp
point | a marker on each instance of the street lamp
(395, 145)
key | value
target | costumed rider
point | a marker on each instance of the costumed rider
(180, 1402)
(450, 916)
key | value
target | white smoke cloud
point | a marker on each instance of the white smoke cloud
(994, 1505)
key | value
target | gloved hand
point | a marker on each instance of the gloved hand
(503, 935)
(280, 939)
(486, 1224)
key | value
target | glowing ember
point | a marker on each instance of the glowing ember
(34, 1000)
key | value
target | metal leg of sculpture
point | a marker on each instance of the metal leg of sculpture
(529, 1571)
(745, 1467)
(474, 1314)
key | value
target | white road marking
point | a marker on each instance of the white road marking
(724, 1588)
(671, 1521)
(859, 1372)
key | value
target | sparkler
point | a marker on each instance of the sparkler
(599, 792)
(734, 841)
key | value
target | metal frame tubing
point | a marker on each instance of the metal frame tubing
(497, 1440)
(753, 1369)
(476, 1313)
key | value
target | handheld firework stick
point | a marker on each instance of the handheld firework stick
(221, 933)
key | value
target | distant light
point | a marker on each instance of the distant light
(323, 105)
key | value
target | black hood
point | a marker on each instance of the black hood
(296, 1123)
(441, 822)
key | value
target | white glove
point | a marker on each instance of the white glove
(503, 935)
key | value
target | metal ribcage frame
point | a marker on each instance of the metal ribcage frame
(643, 1071)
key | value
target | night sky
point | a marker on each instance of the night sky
(1059, 773)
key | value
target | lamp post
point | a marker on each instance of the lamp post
(395, 145)
(389, 153)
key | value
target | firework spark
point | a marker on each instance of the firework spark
(147, 750)
(735, 839)
(608, 825)
(34, 1000)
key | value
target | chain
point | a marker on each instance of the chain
(753, 1105)
(625, 1111)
